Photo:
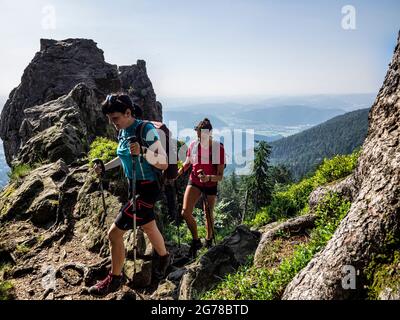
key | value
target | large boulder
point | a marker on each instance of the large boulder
(62, 128)
(36, 197)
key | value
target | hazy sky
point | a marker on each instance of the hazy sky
(218, 47)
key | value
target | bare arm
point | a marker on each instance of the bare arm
(220, 174)
(116, 162)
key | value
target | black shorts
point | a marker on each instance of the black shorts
(210, 191)
(147, 193)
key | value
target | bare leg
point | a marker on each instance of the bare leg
(117, 249)
(155, 237)
(192, 195)
(209, 224)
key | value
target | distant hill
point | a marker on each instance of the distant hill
(348, 102)
(302, 152)
(289, 115)
(190, 119)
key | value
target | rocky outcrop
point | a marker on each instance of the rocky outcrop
(135, 81)
(54, 71)
(63, 128)
(37, 197)
(373, 220)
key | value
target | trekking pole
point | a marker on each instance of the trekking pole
(177, 212)
(133, 139)
(99, 162)
(208, 213)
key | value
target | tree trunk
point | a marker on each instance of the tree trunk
(374, 216)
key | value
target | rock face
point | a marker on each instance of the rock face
(373, 220)
(55, 70)
(135, 81)
(62, 128)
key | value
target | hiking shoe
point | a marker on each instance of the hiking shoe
(209, 243)
(110, 284)
(194, 246)
(163, 264)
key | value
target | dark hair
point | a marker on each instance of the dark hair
(203, 124)
(120, 103)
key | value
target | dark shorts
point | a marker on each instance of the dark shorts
(147, 193)
(210, 191)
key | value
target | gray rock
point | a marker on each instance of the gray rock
(135, 81)
(167, 290)
(242, 242)
(37, 197)
(204, 275)
(294, 226)
(390, 294)
(54, 71)
(62, 128)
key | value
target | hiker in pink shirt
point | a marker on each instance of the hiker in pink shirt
(207, 159)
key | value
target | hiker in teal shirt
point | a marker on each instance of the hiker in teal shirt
(150, 160)
(143, 168)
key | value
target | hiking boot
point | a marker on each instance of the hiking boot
(209, 243)
(163, 264)
(110, 284)
(194, 246)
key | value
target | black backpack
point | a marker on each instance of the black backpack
(172, 171)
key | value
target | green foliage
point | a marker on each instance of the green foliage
(280, 174)
(103, 149)
(336, 168)
(21, 249)
(259, 183)
(269, 283)
(294, 200)
(262, 218)
(6, 290)
(19, 171)
(303, 152)
(6, 287)
(383, 272)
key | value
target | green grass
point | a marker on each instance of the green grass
(6, 290)
(293, 200)
(383, 272)
(19, 172)
(269, 283)
(6, 287)
(22, 249)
